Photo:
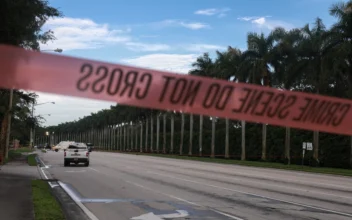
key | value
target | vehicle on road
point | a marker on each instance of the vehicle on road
(62, 145)
(90, 147)
(76, 153)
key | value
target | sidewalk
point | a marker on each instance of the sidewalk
(16, 190)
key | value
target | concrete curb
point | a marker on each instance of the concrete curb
(69, 207)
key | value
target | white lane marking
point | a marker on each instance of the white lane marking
(152, 216)
(253, 194)
(75, 171)
(183, 200)
(46, 177)
(93, 169)
(179, 214)
(45, 166)
(77, 201)
(148, 216)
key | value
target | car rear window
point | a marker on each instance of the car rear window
(76, 147)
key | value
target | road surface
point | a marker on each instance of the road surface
(122, 186)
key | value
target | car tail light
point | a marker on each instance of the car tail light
(87, 154)
(65, 154)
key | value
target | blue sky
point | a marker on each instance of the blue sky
(162, 34)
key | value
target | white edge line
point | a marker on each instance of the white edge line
(93, 169)
(77, 201)
(186, 201)
(46, 177)
(42, 162)
(253, 194)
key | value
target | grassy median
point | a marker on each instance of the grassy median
(323, 170)
(46, 206)
(17, 154)
(31, 160)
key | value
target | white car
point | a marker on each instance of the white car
(76, 153)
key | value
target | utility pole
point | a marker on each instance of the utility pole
(9, 125)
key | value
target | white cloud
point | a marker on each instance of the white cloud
(180, 63)
(221, 12)
(179, 23)
(203, 47)
(67, 108)
(78, 33)
(263, 22)
(147, 47)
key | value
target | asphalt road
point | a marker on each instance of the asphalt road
(120, 186)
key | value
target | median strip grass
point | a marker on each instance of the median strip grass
(31, 160)
(260, 164)
(46, 206)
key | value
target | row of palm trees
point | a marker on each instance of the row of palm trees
(311, 59)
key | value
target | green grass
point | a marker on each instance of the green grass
(46, 206)
(23, 150)
(31, 160)
(323, 170)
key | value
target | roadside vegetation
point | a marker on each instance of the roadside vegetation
(46, 206)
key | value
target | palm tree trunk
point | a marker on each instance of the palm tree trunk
(227, 150)
(4, 125)
(351, 153)
(125, 137)
(136, 132)
(172, 133)
(200, 135)
(316, 147)
(164, 133)
(213, 137)
(151, 134)
(182, 132)
(264, 142)
(132, 137)
(157, 132)
(288, 145)
(243, 140)
(190, 146)
(120, 138)
(146, 135)
(141, 138)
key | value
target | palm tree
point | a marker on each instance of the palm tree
(157, 132)
(200, 135)
(203, 66)
(164, 133)
(314, 48)
(227, 67)
(260, 57)
(172, 132)
(182, 132)
(288, 68)
(190, 134)
(341, 33)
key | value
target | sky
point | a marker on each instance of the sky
(161, 34)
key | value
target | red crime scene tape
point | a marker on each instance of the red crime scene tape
(30, 70)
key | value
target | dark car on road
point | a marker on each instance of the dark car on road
(90, 147)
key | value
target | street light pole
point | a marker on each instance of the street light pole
(32, 127)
